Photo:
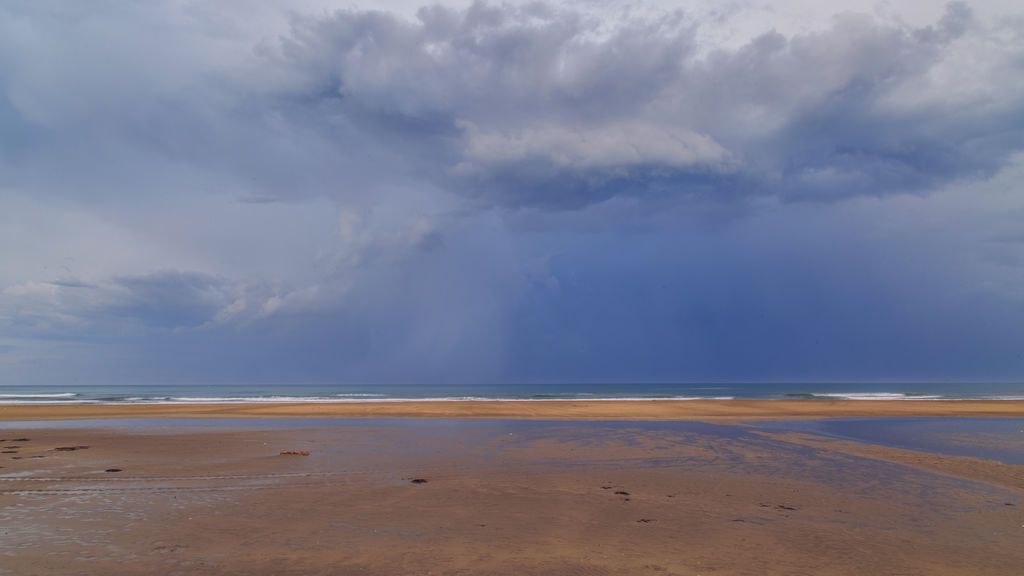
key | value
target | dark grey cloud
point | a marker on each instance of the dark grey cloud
(542, 107)
(160, 300)
(514, 106)
(167, 299)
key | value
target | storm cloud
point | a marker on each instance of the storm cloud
(540, 107)
(501, 192)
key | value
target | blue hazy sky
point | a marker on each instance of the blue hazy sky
(227, 191)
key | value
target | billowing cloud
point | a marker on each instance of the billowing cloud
(514, 100)
(509, 191)
(498, 102)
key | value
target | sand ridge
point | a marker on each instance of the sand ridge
(532, 409)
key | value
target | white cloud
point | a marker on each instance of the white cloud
(615, 146)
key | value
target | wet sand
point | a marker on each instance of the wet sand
(499, 497)
(561, 410)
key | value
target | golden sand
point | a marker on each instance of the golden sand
(555, 410)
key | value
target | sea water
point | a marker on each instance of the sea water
(298, 392)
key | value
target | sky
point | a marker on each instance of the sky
(329, 192)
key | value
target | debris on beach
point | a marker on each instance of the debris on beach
(295, 452)
(419, 481)
(69, 448)
(112, 470)
(622, 493)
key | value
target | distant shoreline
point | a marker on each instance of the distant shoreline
(661, 409)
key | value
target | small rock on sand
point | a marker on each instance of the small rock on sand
(295, 452)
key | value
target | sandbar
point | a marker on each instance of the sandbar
(532, 409)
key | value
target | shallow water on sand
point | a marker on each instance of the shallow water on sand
(1000, 439)
(411, 496)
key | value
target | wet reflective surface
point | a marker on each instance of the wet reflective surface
(1000, 439)
(504, 497)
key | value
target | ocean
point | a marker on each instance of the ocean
(194, 393)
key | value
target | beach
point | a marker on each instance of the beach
(659, 488)
(535, 409)
(511, 288)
